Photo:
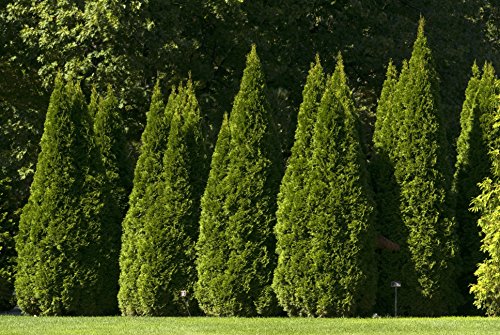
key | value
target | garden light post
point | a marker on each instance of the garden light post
(395, 284)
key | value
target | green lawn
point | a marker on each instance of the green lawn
(23, 325)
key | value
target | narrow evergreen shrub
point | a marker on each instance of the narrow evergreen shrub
(110, 137)
(473, 166)
(341, 225)
(68, 232)
(424, 176)
(387, 194)
(486, 289)
(291, 283)
(211, 253)
(144, 193)
(171, 229)
(250, 185)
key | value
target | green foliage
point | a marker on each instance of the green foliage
(110, 137)
(423, 174)
(167, 242)
(383, 136)
(387, 193)
(68, 236)
(142, 198)
(251, 176)
(19, 140)
(340, 226)
(472, 167)
(487, 203)
(211, 253)
(291, 283)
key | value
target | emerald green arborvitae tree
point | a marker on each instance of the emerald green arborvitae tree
(110, 137)
(68, 233)
(249, 186)
(212, 254)
(143, 196)
(488, 204)
(387, 193)
(473, 166)
(341, 220)
(291, 284)
(172, 223)
(424, 176)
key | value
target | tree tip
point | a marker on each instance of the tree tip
(421, 26)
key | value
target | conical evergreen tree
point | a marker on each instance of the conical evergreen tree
(67, 233)
(110, 137)
(341, 231)
(487, 287)
(292, 238)
(383, 136)
(472, 167)
(387, 194)
(211, 253)
(424, 176)
(249, 213)
(143, 196)
(171, 229)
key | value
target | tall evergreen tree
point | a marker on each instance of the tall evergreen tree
(387, 194)
(68, 234)
(424, 177)
(211, 253)
(110, 137)
(472, 167)
(383, 136)
(171, 229)
(487, 203)
(143, 196)
(291, 283)
(341, 231)
(250, 186)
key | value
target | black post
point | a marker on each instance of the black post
(395, 301)
(395, 284)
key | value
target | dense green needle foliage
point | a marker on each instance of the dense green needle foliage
(240, 282)
(487, 203)
(109, 131)
(387, 194)
(211, 254)
(423, 173)
(473, 166)
(170, 232)
(291, 283)
(68, 235)
(341, 225)
(143, 196)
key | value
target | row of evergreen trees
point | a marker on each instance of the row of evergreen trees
(230, 236)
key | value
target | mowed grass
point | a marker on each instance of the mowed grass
(23, 325)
